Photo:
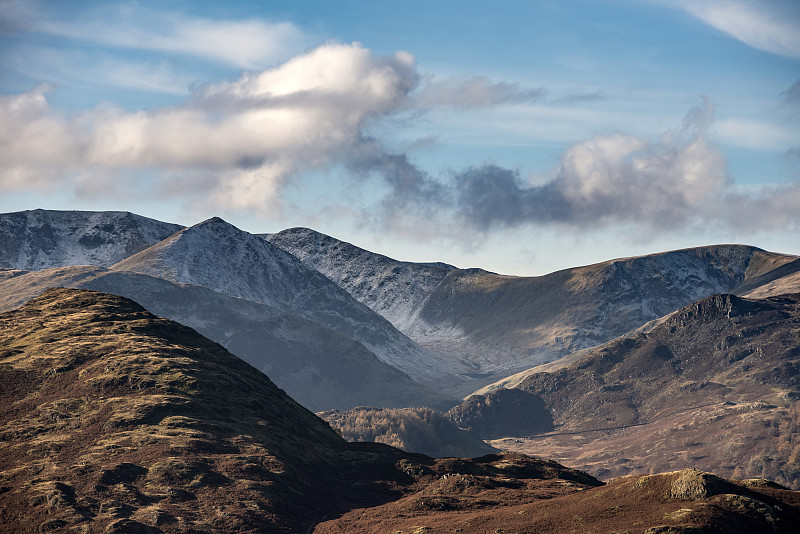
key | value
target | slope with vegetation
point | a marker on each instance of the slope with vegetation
(114, 420)
(421, 430)
(319, 367)
(716, 385)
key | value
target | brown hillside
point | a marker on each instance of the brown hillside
(680, 502)
(421, 430)
(714, 386)
(114, 420)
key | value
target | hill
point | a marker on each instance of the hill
(714, 386)
(219, 256)
(115, 420)
(421, 430)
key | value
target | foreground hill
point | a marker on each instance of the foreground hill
(501, 324)
(114, 420)
(317, 366)
(715, 385)
(681, 502)
(219, 256)
(40, 239)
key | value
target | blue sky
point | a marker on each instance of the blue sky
(521, 137)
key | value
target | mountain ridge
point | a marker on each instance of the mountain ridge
(217, 255)
(503, 324)
(39, 239)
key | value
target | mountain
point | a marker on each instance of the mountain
(502, 324)
(315, 365)
(219, 256)
(784, 279)
(715, 385)
(395, 289)
(115, 420)
(40, 239)
(421, 430)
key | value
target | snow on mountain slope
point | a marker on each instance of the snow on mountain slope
(504, 324)
(40, 239)
(395, 289)
(219, 256)
(318, 367)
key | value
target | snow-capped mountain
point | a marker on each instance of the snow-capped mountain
(506, 323)
(40, 239)
(219, 256)
(315, 365)
(395, 289)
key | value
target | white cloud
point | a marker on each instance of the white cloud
(675, 181)
(769, 25)
(252, 134)
(244, 43)
(237, 145)
(755, 134)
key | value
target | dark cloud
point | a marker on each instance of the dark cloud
(610, 178)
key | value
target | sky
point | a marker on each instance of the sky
(522, 137)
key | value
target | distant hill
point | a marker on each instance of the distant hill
(715, 385)
(40, 239)
(419, 430)
(502, 324)
(317, 366)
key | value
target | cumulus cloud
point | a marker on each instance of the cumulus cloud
(239, 143)
(236, 145)
(676, 180)
(609, 178)
(253, 133)
(772, 26)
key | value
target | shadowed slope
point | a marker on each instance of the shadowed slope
(419, 430)
(317, 366)
(219, 256)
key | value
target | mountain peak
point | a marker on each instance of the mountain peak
(214, 222)
(217, 255)
(40, 239)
